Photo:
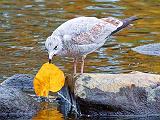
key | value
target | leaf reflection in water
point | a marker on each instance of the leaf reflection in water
(48, 114)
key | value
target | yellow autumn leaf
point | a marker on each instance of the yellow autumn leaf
(48, 78)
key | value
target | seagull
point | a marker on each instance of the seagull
(78, 37)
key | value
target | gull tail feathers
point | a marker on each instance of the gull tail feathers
(126, 22)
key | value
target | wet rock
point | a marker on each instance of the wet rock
(15, 103)
(24, 82)
(20, 81)
(130, 94)
(67, 101)
(21, 101)
(149, 49)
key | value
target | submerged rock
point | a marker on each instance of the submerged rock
(118, 94)
(149, 49)
(15, 103)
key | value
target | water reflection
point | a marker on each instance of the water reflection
(49, 114)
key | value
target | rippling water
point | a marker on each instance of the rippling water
(25, 25)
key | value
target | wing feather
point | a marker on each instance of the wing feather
(87, 30)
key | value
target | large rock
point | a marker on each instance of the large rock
(20, 81)
(15, 103)
(135, 93)
(18, 89)
(24, 82)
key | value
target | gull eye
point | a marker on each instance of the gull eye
(56, 48)
(45, 48)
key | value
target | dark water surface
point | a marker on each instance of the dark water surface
(25, 25)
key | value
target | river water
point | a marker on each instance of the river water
(25, 25)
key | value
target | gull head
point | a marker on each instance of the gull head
(54, 45)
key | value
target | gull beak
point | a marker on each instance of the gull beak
(50, 60)
(50, 56)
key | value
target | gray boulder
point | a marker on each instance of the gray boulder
(15, 103)
(136, 94)
(20, 81)
(24, 82)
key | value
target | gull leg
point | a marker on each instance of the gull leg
(75, 65)
(82, 65)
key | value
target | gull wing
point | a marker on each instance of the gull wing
(87, 30)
